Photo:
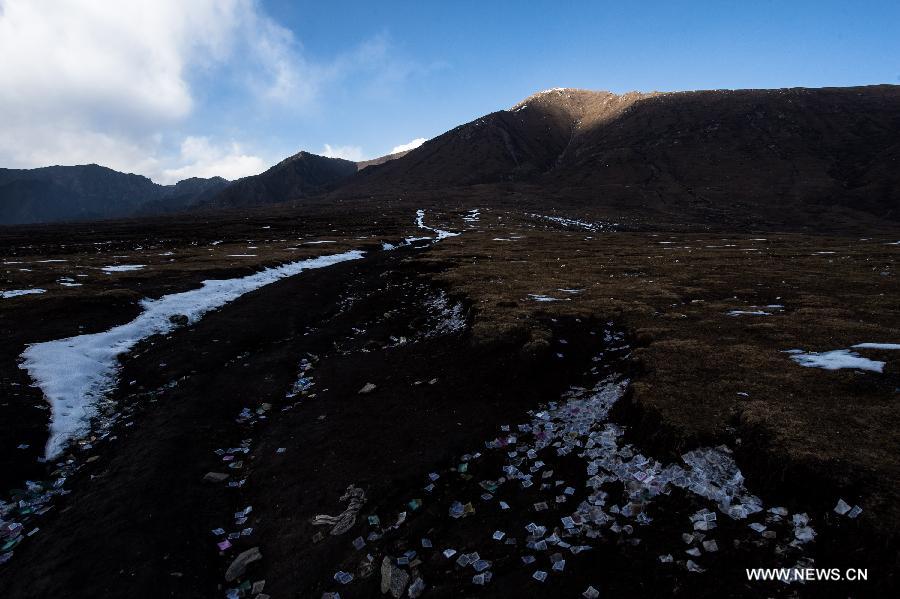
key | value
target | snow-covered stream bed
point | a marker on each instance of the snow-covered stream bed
(441, 234)
(75, 372)
(524, 485)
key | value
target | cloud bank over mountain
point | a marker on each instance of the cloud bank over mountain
(162, 87)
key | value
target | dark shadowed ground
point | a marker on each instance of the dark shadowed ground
(139, 518)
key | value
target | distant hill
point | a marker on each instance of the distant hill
(793, 157)
(87, 192)
(774, 155)
(298, 176)
(185, 194)
(508, 145)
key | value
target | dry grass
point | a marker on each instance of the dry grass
(673, 291)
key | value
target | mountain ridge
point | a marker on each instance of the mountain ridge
(297, 176)
(771, 155)
(89, 191)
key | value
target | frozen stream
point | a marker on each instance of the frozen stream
(74, 373)
(441, 234)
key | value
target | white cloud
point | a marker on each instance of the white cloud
(409, 146)
(353, 153)
(97, 81)
(124, 62)
(288, 77)
(27, 145)
(202, 158)
(118, 83)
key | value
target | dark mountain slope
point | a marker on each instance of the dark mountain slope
(30, 201)
(762, 155)
(768, 149)
(790, 156)
(186, 194)
(299, 176)
(501, 146)
(60, 193)
(71, 192)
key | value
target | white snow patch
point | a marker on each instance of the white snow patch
(410, 240)
(122, 268)
(441, 234)
(767, 310)
(74, 373)
(18, 292)
(877, 346)
(575, 223)
(449, 315)
(420, 222)
(546, 298)
(834, 360)
(579, 425)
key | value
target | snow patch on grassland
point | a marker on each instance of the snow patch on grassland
(578, 224)
(835, 360)
(18, 292)
(441, 234)
(122, 268)
(74, 373)
(877, 346)
(420, 223)
(842, 358)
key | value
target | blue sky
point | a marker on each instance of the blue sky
(176, 88)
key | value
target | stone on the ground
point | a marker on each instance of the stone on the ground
(385, 575)
(215, 477)
(416, 588)
(393, 579)
(240, 563)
